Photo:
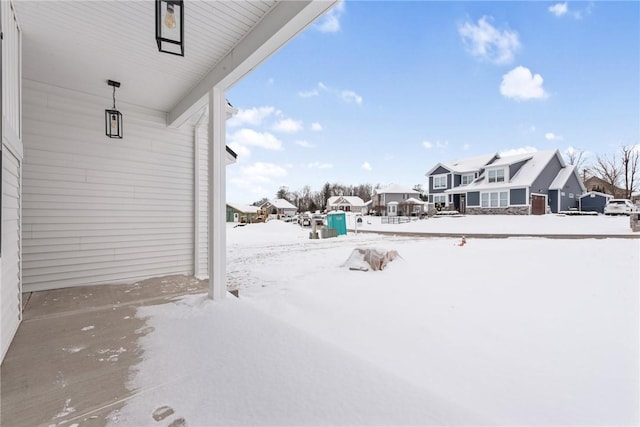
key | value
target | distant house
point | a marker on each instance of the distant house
(593, 201)
(236, 212)
(530, 183)
(599, 185)
(393, 200)
(347, 204)
(280, 207)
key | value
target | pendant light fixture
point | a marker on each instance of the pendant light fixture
(170, 26)
(113, 117)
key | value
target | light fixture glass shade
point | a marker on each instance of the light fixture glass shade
(170, 26)
(113, 123)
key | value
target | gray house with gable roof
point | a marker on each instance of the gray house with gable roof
(530, 183)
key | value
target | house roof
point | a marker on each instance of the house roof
(470, 164)
(82, 44)
(281, 204)
(563, 176)
(597, 193)
(244, 208)
(524, 177)
(413, 200)
(395, 189)
(352, 200)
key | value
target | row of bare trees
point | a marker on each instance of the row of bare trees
(619, 171)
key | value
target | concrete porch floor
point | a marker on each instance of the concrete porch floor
(69, 362)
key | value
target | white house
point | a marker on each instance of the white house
(347, 204)
(280, 207)
(81, 208)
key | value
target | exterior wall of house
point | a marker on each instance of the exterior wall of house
(100, 210)
(202, 154)
(571, 188)
(518, 196)
(514, 168)
(553, 200)
(546, 177)
(11, 157)
(591, 202)
(511, 210)
(400, 199)
(439, 171)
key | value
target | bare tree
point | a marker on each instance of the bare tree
(629, 168)
(608, 169)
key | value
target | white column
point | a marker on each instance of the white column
(217, 195)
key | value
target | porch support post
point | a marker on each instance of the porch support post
(217, 194)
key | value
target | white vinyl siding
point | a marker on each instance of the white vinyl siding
(101, 210)
(10, 289)
(11, 76)
(203, 219)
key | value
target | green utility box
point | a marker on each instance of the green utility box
(338, 221)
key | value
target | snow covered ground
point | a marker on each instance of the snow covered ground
(518, 331)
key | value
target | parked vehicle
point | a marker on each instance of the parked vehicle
(619, 207)
(304, 220)
(317, 218)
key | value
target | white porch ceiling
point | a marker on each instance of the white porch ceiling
(81, 44)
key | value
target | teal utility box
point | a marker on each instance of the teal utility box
(338, 221)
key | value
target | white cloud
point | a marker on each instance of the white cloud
(521, 84)
(318, 165)
(330, 22)
(366, 166)
(287, 126)
(249, 137)
(305, 144)
(242, 151)
(559, 9)
(488, 43)
(438, 144)
(550, 136)
(316, 127)
(308, 93)
(252, 116)
(351, 96)
(562, 9)
(520, 150)
(261, 172)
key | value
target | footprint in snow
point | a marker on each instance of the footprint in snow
(165, 411)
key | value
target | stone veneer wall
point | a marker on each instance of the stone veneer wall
(512, 210)
(634, 222)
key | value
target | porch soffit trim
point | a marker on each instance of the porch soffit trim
(281, 24)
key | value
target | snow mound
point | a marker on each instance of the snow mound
(370, 259)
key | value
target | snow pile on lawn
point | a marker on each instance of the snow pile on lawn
(504, 224)
(519, 331)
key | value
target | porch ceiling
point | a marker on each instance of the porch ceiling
(81, 44)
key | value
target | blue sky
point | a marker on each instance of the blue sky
(379, 92)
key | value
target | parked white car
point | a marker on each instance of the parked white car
(619, 207)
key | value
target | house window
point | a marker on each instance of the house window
(439, 182)
(467, 179)
(440, 198)
(494, 199)
(496, 175)
(405, 196)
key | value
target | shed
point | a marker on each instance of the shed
(594, 201)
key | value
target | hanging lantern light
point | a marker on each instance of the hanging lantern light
(113, 117)
(170, 26)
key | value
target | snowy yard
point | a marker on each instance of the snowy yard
(518, 331)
